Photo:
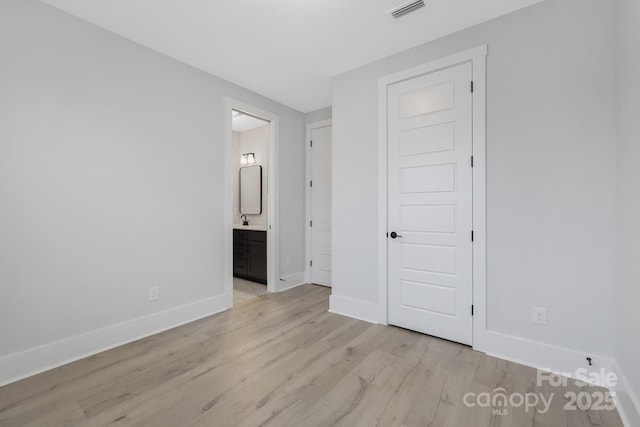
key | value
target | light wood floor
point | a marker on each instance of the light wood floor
(244, 290)
(283, 360)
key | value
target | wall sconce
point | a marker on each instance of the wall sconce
(248, 159)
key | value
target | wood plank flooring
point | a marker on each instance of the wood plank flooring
(283, 360)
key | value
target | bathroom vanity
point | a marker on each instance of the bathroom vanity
(250, 254)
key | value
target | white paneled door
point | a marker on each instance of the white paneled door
(430, 203)
(321, 206)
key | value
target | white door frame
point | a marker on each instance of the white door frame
(477, 58)
(307, 194)
(273, 240)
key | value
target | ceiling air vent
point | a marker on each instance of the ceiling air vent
(406, 8)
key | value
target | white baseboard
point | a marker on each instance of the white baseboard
(520, 350)
(361, 310)
(17, 366)
(627, 400)
(566, 361)
(291, 281)
(540, 355)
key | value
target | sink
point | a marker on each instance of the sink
(250, 227)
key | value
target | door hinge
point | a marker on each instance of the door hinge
(472, 235)
(310, 183)
(471, 86)
(471, 161)
(472, 309)
(310, 263)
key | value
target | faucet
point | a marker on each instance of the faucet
(244, 221)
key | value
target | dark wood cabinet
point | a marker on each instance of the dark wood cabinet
(250, 255)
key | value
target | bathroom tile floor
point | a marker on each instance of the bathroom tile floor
(244, 290)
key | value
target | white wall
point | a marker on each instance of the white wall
(551, 159)
(628, 271)
(251, 141)
(111, 181)
(318, 115)
(236, 153)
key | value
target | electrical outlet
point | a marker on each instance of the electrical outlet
(540, 316)
(153, 293)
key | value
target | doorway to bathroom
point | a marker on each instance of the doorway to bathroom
(250, 203)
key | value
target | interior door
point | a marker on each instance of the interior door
(430, 203)
(321, 206)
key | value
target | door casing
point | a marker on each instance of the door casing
(477, 57)
(273, 239)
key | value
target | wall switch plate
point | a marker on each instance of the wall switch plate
(540, 316)
(153, 293)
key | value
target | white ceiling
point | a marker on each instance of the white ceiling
(286, 50)
(244, 122)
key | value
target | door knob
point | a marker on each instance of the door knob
(394, 235)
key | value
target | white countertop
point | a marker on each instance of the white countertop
(250, 227)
